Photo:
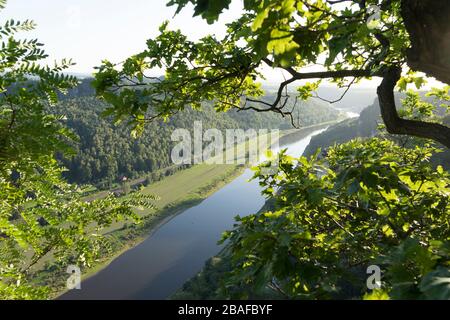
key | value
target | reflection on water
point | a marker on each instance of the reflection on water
(158, 266)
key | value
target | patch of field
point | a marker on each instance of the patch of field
(187, 181)
(185, 184)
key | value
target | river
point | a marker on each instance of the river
(175, 252)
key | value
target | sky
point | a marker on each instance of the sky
(89, 31)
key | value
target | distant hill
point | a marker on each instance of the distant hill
(364, 126)
(355, 100)
(80, 75)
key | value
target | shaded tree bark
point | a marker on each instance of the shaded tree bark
(395, 124)
(428, 26)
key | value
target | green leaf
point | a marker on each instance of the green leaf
(377, 294)
(436, 284)
(259, 20)
(402, 84)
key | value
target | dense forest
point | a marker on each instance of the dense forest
(350, 134)
(367, 124)
(104, 152)
(376, 197)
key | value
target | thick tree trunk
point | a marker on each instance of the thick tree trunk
(428, 25)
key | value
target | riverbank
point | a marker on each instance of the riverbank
(291, 136)
(178, 192)
(206, 284)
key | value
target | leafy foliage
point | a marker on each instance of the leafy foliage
(40, 214)
(367, 202)
(104, 151)
(161, 98)
(411, 106)
(284, 34)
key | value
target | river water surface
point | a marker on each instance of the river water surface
(160, 265)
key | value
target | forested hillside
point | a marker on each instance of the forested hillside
(366, 217)
(355, 100)
(105, 152)
(366, 126)
(363, 126)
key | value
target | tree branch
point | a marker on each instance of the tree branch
(357, 73)
(295, 75)
(395, 124)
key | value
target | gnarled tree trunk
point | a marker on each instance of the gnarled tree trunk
(428, 25)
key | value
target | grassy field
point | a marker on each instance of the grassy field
(175, 187)
(185, 185)
(178, 192)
